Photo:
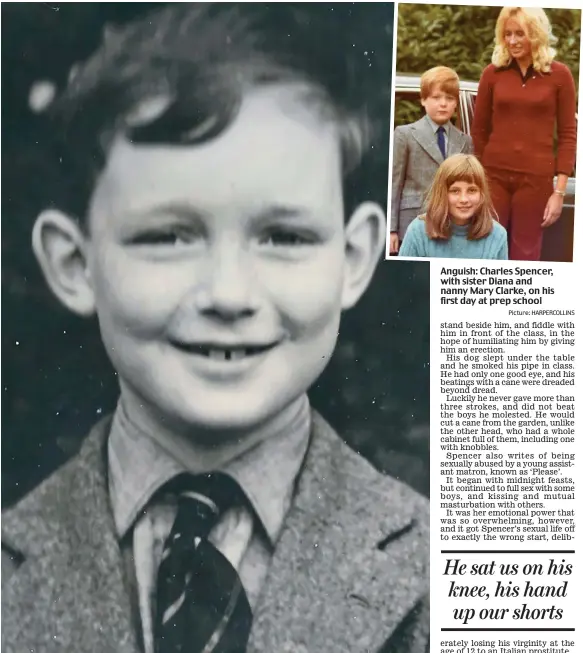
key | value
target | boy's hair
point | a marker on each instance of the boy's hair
(189, 65)
(459, 167)
(440, 77)
(538, 30)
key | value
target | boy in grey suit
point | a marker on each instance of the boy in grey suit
(421, 147)
(214, 511)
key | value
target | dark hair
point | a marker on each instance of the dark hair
(202, 58)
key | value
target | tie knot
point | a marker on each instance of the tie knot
(201, 501)
(203, 507)
(440, 129)
(201, 604)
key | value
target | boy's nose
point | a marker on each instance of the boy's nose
(228, 291)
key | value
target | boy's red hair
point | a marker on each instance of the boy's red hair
(441, 78)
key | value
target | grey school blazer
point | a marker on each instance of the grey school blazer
(349, 574)
(416, 157)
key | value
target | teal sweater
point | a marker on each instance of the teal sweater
(418, 243)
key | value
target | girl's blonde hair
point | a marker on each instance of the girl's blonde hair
(459, 167)
(538, 30)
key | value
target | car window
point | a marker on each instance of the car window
(471, 104)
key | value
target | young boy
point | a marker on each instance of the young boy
(214, 511)
(421, 147)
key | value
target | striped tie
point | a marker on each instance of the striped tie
(201, 606)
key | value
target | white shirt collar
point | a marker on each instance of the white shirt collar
(435, 126)
(139, 465)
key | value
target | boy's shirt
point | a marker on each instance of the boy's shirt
(435, 127)
(349, 572)
(139, 465)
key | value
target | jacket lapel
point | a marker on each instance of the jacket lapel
(69, 593)
(330, 586)
(344, 574)
(423, 134)
(455, 140)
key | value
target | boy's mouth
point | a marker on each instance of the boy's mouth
(219, 353)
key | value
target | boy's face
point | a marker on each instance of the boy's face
(439, 105)
(219, 271)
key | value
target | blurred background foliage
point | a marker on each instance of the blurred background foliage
(57, 380)
(462, 37)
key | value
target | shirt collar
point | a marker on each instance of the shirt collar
(435, 126)
(529, 71)
(139, 465)
(513, 65)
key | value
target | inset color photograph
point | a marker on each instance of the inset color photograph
(485, 133)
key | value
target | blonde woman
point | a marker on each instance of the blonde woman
(460, 221)
(523, 96)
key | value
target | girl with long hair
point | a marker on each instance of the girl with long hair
(460, 221)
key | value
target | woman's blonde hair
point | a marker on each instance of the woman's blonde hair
(538, 30)
(459, 167)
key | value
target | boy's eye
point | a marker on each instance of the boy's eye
(175, 237)
(282, 237)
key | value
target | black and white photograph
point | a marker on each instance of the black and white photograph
(215, 389)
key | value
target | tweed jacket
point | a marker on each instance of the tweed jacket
(349, 573)
(416, 157)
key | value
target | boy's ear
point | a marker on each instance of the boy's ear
(60, 249)
(365, 236)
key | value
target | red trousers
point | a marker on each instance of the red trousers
(520, 200)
